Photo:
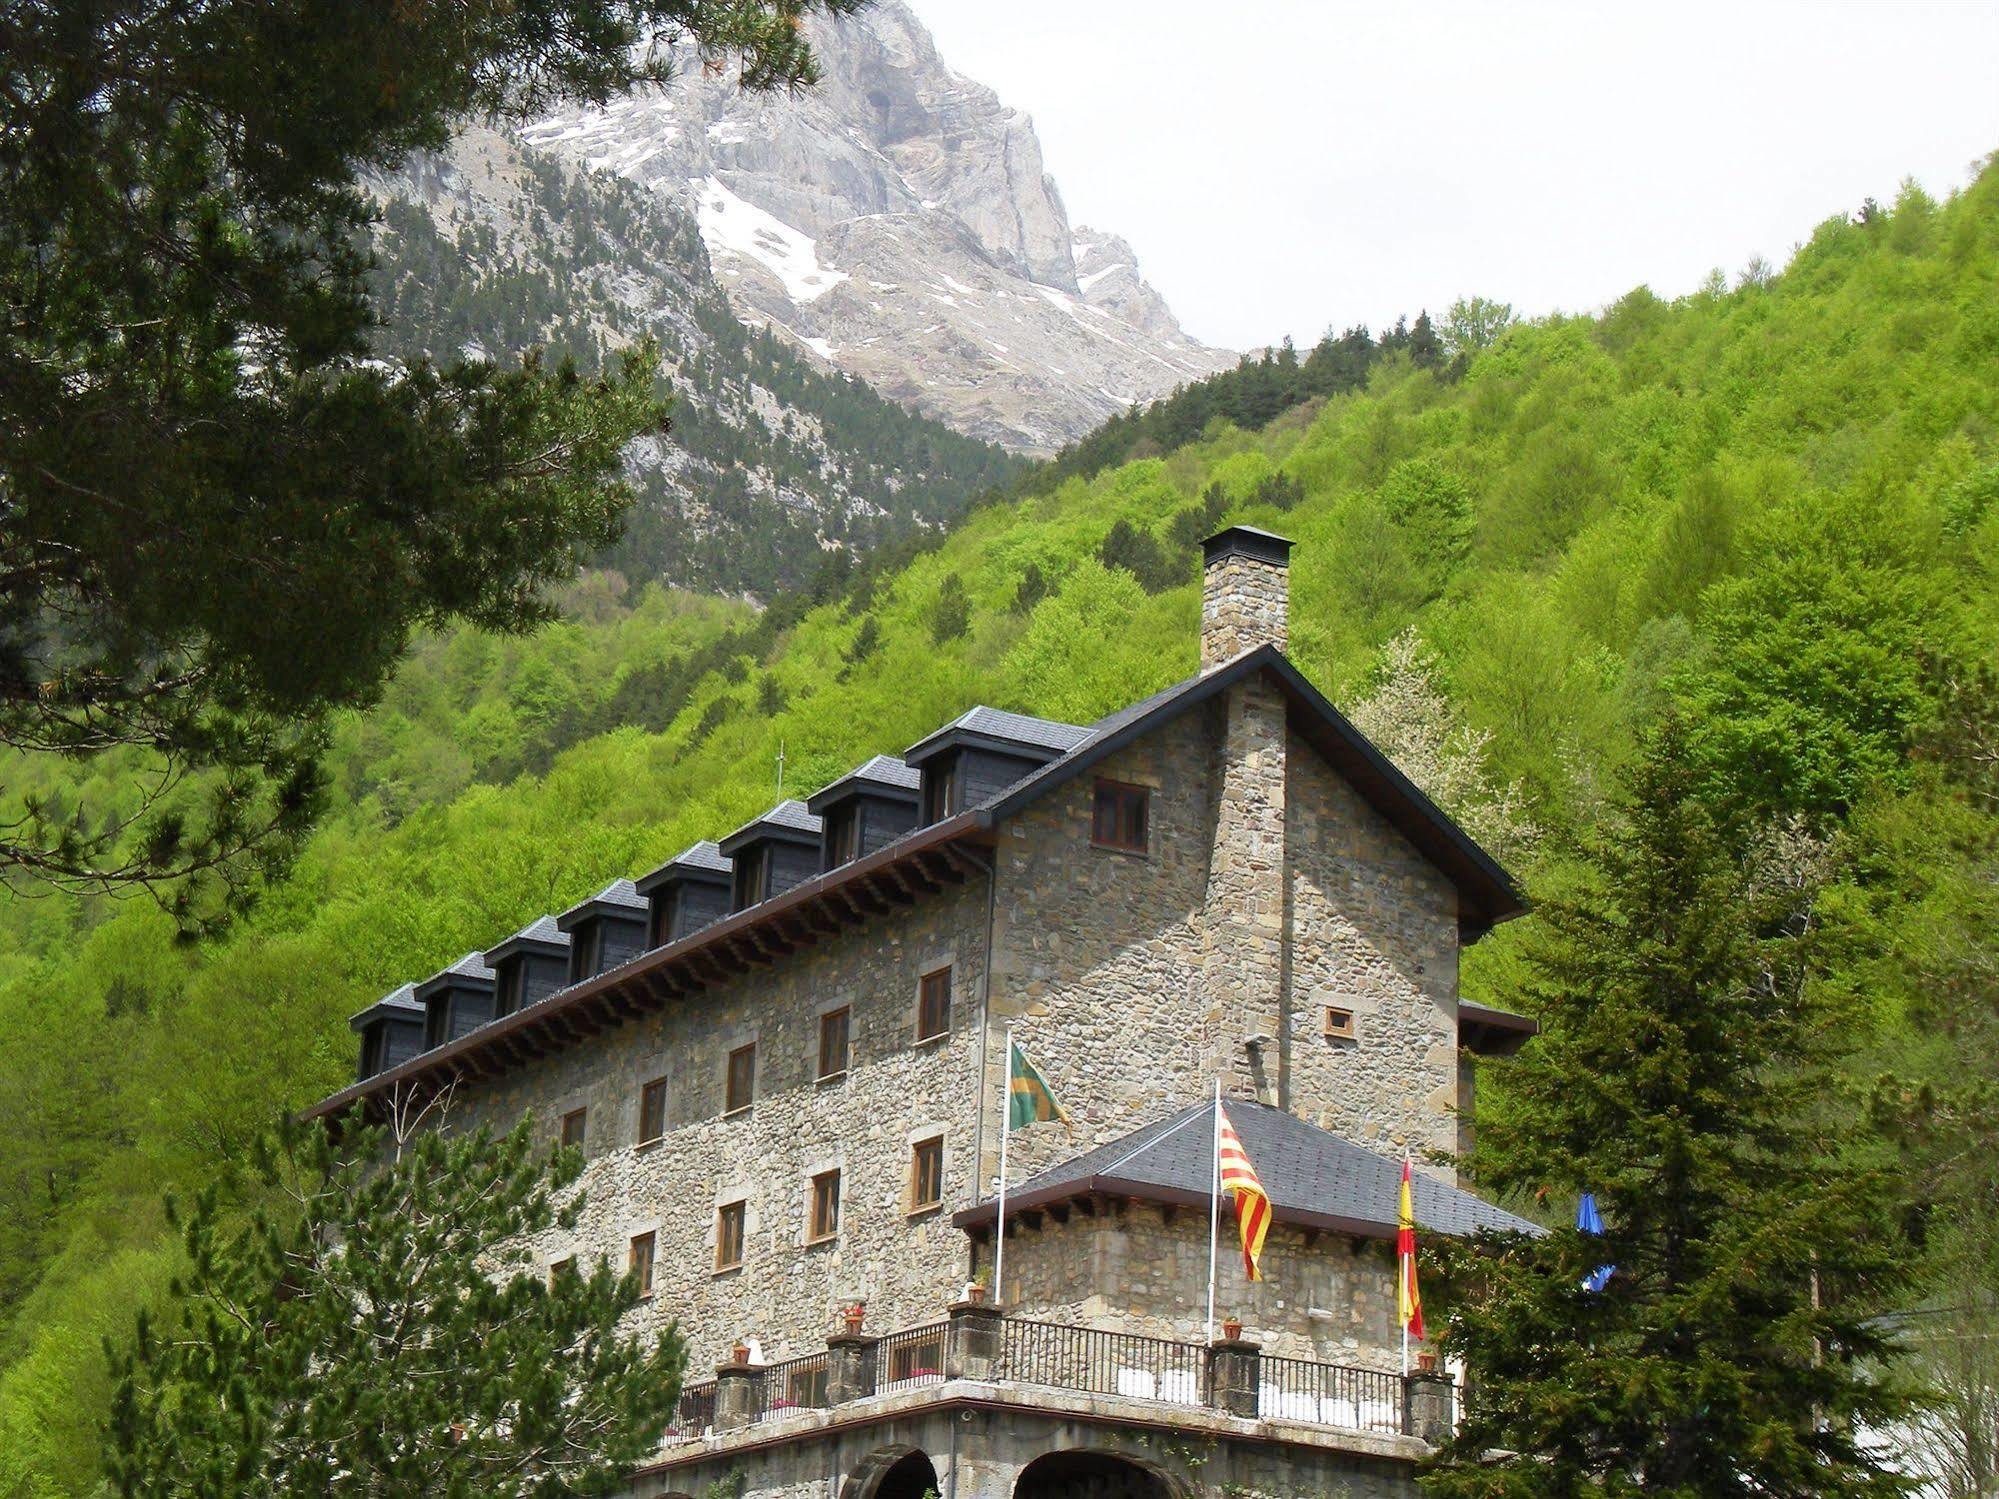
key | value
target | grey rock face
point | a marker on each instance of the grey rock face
(897, 221)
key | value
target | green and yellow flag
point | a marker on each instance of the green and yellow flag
(1029, 1099)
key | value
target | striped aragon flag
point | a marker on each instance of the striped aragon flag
(1252, 1203)
(1029, 1100)
(1408, 1299)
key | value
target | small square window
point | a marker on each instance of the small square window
(641, 1262)
(1339, 1023)
(573, 1124)
(729, 1235)
(1120, 819)
(652, 1111)
(933, 1005)
(741, 1090)
(926, 1175)
(825, 1207)
(834, 1027)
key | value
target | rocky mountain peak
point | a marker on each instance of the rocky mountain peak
(897, 221)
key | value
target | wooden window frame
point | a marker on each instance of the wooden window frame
(940, 790)
(844, 1014)
(651, 1094)
(1118, 837)
(752, 876)
(580, 1118)
(822, 1210)
(931, 1151)
(587, 950)
(1340, 1024)
(643, 1256)
(726, 1214)
(659, 917)
(924, 1030)
(510, 991)
(730, 1103)
(843, 836)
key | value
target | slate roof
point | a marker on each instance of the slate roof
(697, 858)
(997, 723)
(620, 896)
(542, 931)
(1314, 1177)
(788, 815)
(471, 967)
(881, 771)
(401, 1003)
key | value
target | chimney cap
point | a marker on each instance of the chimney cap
(1247, 541)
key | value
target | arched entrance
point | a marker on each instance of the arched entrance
(893, 1473)
(1089, 1475)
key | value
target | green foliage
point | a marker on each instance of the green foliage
(376, 1326)
(951, 614)
(1686, 1072)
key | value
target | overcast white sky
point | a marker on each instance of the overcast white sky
(1286, 165)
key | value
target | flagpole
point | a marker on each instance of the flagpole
(1402, 1285)
(1214, 1205)
(1006, 1133)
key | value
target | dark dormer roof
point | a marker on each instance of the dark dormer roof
(884, 775)
(788, 821)
(996, 729)
(397, 1004)
(541, 935)
(1314, 1177)
(470, 969)
(699, 861)
(1247, 541)
(620, 898)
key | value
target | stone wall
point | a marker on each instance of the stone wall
(1245, 603)
(895, 1092)
(1143, 1268)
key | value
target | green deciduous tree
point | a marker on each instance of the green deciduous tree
(1684, 1074)
(219, 518)
(376, 1328)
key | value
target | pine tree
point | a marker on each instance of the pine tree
(951, 615)
(1684, 1074)
(377, 1329)
(1426, 349)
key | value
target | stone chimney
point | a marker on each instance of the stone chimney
(1245, 593)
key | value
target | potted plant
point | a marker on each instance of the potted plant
(740, 1354)
(1231, 1330)
(975, 1288)
(851, 1314)
(1426, 1362)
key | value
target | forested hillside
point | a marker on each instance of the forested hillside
(1773, 504)
(495, 248)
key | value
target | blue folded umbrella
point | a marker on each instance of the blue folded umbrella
(1590, 1221)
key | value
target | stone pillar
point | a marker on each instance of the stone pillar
(1428, 1402)
(850, 1367)
(1235, 1370)
(1245, 593)
(973, 1340)
(735, 1396)
(1244, 909)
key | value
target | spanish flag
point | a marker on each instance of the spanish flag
(1408, 1300)
(1252, 1204)
(1029, 1100)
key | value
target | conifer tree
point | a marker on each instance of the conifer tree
(1684, 1075)
(377, 1329)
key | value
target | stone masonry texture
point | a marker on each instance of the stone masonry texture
(1245, 603)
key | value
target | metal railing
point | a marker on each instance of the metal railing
(694, 1414)
(1101, 1362)
(911, 1357)
(1291, 1389)
(795, 1384)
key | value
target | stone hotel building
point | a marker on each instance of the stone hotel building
(782, 1056)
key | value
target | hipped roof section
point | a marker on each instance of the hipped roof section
(932, 857)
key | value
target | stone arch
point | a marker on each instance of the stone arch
(892, 1473)
(1085, 1473)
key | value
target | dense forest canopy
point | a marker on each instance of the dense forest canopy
(1774, 503)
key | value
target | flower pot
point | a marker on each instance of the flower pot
(1231, 1330)
(852, 1315)
(1426, 1363)
(975, 1292)
(740, 1354)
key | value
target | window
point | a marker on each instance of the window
(940, 791)
(652, 1111)
(729, 1235)
(752, 875)
(564, 1266)
(825, 1207)
(641, 1262)
(843, 837)
(741, 1090)
(1339, 1023)
(834, 1027)
(933, 1005)
(513, 978)
(926, 1175)
(1120, 820)
(572, 1127)
(659, 925)
(586, 953)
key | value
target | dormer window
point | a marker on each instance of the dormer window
(865, 810)
(691, 890)
(772, 854)
(512, 978)
(752, 876)
(940, 791)
(606, 931)
(843, 837)
(586, 952)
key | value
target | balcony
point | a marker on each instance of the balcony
(1016, 1357)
